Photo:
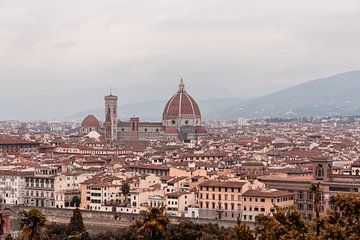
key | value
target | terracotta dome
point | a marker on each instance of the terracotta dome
(90, 121)
(181, 104)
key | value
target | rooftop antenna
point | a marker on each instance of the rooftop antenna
(110, 91)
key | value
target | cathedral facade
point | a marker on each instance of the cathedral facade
(181, 120)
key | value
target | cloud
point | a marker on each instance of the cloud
(50, 46)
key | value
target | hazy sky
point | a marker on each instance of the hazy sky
(52, 46)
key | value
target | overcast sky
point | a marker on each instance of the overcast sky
(51, 46)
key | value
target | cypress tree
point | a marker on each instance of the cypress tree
(76, 224)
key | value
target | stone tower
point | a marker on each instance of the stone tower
(322, 169)
(134, 129)
(111, 131)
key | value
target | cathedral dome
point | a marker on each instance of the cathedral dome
(90, 121)
(181, 105)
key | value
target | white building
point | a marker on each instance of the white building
(12, 187)
(177, 203)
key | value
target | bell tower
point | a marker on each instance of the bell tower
(111, 117)
(322, 169)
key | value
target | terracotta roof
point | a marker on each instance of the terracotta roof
(148, 166)
(267, 193)
(90, 121)
(176, 194)
(181, 104)
(214, 183)
(200, 129)
(355, 164)
(171, 130)
(6, 139)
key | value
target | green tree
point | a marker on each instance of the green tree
(191, 231)
(76, 224)
(78, 236)
(57, 231)
(185, 231)
(243, 232)
(125, 190)
(152, 224)
(33, 225)
(283, 225)
(344, 223)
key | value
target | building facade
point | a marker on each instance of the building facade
(264, 201)
(12, 187)
(329, 186)
(222, 200)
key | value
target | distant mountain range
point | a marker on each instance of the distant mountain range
(59, 106)
(153, 110)
(335, 95)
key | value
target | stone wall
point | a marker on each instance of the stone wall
(108, 220)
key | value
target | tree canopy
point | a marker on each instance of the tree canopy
(33, 225)
(76, 224)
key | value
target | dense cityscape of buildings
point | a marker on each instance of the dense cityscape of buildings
(214, 170)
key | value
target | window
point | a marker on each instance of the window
(262, 200)
(300, 206)
(262, 209)
(256, 209)
(301, 195)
